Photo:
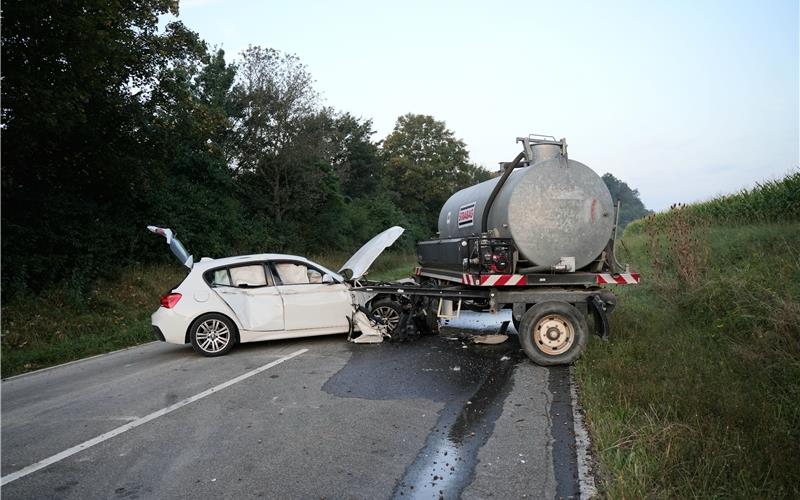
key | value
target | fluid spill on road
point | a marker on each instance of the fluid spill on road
(472, 381)
(446, 465)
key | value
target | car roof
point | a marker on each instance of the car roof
(238, 259)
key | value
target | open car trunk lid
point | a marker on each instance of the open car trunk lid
(175, 246)
(360, 262)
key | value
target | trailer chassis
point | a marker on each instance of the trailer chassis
(594, 301)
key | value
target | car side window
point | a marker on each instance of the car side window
(314, 276)
(252, 275)
(292, 273)
(297, 273)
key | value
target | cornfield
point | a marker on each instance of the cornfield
(769, 201)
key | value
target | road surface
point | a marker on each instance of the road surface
(309, 418)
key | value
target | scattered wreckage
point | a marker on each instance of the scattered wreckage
(539, 240)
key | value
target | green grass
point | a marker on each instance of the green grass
(63, 324)
(698, 393)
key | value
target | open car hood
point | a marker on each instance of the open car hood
(359, 263)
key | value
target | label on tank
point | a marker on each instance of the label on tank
(466, 215)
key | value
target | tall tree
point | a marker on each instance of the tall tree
(77, 77)
(356, 157)
(631, 206)
(426, 163)
(277, 113)
(189, 185)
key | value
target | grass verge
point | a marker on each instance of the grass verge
(63, 324)
(698, 393)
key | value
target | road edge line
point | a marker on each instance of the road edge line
(140, 421)
(76, 361)
(583, 445)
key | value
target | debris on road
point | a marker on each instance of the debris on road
(490, 339)
(370, 331)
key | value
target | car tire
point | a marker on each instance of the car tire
(212, 335)
(553, 333)
(387, 310)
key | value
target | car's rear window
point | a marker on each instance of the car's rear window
(220, 277)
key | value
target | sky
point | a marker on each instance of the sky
(682, 100)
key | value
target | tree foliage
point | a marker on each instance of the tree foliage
(631, 206)
(112, 123)
(300, 168)
(80, 83)
(427, 165)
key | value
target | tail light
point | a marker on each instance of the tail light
(169, 300)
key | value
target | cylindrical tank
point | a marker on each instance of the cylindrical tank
(554, 208)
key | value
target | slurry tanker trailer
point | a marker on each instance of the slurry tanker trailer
(539, 240)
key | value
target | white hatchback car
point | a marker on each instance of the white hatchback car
(259, 297)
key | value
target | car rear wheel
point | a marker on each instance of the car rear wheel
(212, 335)
(553, 333)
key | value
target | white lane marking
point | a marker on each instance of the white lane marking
(136, 423)
(583, 444)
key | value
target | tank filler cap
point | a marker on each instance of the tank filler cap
(539, 139)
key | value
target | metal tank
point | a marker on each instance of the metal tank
(555, 209)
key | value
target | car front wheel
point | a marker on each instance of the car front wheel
(212, 335)
(388, 311)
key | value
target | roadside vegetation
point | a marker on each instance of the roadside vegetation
(142, 123)
(698, 392)
(66, 323)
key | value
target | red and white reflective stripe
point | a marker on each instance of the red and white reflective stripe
(417, 271)
(504, 280)
(618, 279)
(468, 279)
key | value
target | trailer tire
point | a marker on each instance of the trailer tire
(553, 333)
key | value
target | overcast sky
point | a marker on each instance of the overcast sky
(682, 100)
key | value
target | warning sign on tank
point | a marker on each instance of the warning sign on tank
(466, 215)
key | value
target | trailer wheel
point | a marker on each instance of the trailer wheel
(553, 333)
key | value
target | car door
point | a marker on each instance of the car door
(250, 292)
(308, 303)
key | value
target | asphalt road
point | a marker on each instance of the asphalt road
(434, 418)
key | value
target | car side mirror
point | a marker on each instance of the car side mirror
(328, 279)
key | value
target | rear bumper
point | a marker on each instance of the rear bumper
(157, 333)
(171, 325)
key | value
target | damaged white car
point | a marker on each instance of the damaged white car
(249, 298)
